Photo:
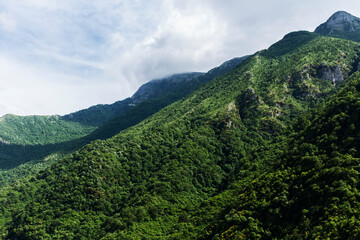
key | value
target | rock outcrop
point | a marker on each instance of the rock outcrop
(339, 22)
(333, 74)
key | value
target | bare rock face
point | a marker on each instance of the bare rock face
(326, 72)
(339, 22)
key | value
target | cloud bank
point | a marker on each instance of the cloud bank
(58, 56)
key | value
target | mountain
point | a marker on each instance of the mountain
(37, 130)
(168, 88)
(339, 22)
(312, 191)
(100, 114)
(32, 143)
(342, 25)
(160, 87)
(266, 150)
(157, 99)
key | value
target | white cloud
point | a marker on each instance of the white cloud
(58, 56)
(186, 39)
(6, 22)
(27, 91)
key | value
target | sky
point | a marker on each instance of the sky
(60, 56)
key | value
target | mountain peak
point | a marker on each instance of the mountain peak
(339, 22)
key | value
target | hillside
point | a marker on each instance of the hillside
(18, 160)
(99, 114)
(39, 130)
(157, 101)
(163, 91)
(171, 175)
(313, 191)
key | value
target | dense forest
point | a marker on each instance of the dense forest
(29, 144)
(264, 149)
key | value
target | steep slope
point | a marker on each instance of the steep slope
(342, 25)
(153, 104)
(100, 114)
(150, 180)
(17, 160)
(313, 193)
(163, 91)
(160, 87)
(39, 130)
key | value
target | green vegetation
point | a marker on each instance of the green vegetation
(99, 114)
(354, 36)
(312, 191)
(39, 130)
(267, 150)
(31, 143)
(178, 85)
(47, 134)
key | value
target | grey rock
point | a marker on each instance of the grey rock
(339, 22)
(326, 72)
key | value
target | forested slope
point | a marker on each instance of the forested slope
(32, 143)
(178, 84)
(40, 130)
(313, 191)
(182, 173)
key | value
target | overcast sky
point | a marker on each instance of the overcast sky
(59, 56)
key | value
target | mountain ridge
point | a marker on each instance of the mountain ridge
(342, 25)
(158, 87)
(99, 114)
(340, 21)
(19, 160)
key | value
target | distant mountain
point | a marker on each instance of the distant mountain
(30, 143)
(174, 86)
(38, 130)
(179, 82)
(99, 114)
(156, 94)
(342, 25)
(55, 129)
(160, 87)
